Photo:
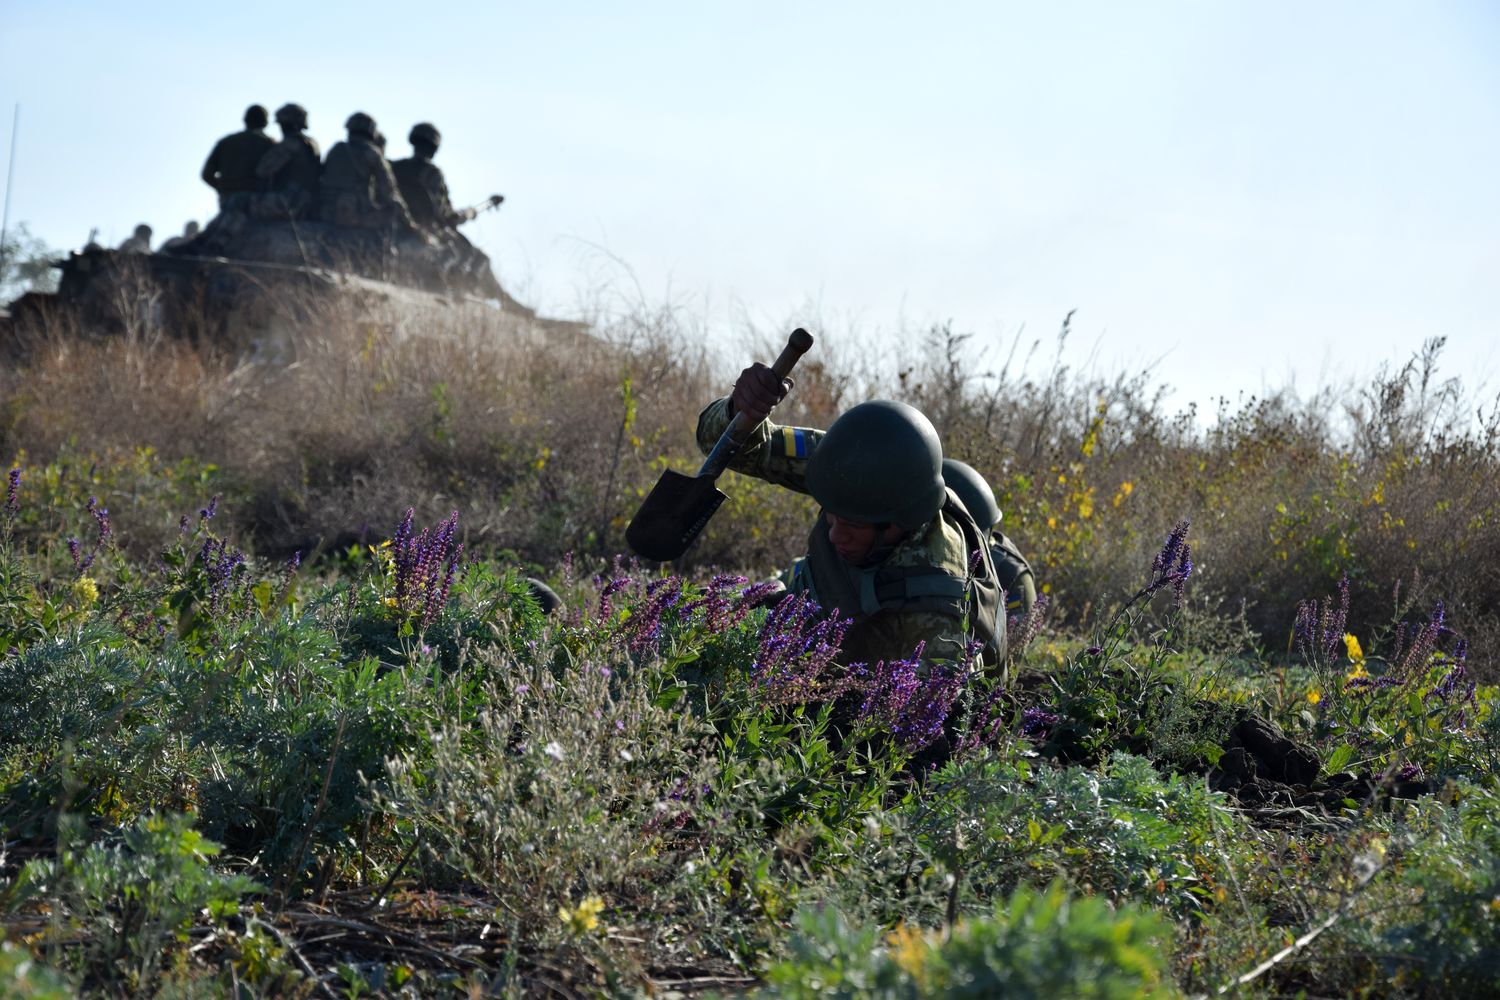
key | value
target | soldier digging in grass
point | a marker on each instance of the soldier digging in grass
(892, 548)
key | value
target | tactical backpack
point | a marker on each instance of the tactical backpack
(1011, 566)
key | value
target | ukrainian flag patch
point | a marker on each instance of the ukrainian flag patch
(794, 442)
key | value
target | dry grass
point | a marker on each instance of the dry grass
(545, 438)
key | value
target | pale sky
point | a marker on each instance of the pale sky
(1247, 193)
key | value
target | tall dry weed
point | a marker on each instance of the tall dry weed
(546, 437)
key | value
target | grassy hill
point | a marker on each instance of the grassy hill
(263, 729)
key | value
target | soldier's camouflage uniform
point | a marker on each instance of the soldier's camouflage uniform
(291, 171)
(230, 168)
(425, 192)
(780, 455)
(423, 187)
(358, 189)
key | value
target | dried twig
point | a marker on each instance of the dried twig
(385, 886)
(301, 960)
(1306, 939)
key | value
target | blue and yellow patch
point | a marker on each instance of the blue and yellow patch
(794, 442)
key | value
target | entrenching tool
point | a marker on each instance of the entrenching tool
(678, 506)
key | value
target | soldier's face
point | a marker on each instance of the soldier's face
(855, 540)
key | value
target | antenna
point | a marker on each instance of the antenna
(10, 173)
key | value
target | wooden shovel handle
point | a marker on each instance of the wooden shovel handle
(740, 427)
(796, 346)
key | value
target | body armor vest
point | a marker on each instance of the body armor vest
(860, 593)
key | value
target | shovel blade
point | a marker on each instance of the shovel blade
(672, 515)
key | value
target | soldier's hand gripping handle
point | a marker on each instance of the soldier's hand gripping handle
(758, 389)
(763, 389)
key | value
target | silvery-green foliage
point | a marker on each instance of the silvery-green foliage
(131, 902)
(1029, 946)
(570, 781)
(1126, 831)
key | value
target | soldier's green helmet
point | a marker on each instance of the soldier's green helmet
(292, 115)
(880, 463)
(974, 493)
(424, 134)
(360, 124)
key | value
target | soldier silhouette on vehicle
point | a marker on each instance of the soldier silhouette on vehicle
(230, 168)
(357, 187)
(425, 191)
(291, 169)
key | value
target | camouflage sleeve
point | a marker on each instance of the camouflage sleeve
(776, 454)
(386, 191)
(437, 193)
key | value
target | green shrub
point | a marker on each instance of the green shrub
(1034, 944)
(1126, 833)
(130, 904)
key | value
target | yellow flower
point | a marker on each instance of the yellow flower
(391, 603)
(1356, 654)
(1314, 697)
(582, 918)
(86, 590)
(908, 950)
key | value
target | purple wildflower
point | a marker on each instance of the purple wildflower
(83, 560)
(1037, 722)
(1305, 630)
(643, 629)
(13, 493)
(101, 521)
(207, 513)
(908, 698)
(606, 595)
(1319, 629)
(1410, 771)
(1422, 641)
(1451, 688)
(1173, 564)
(425, 567)
(1372, 683)
(989, 722)
(221, 563)
(674, 811)
(1022, 629)
(727, 602)
(1094, 651)
(797, 646)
